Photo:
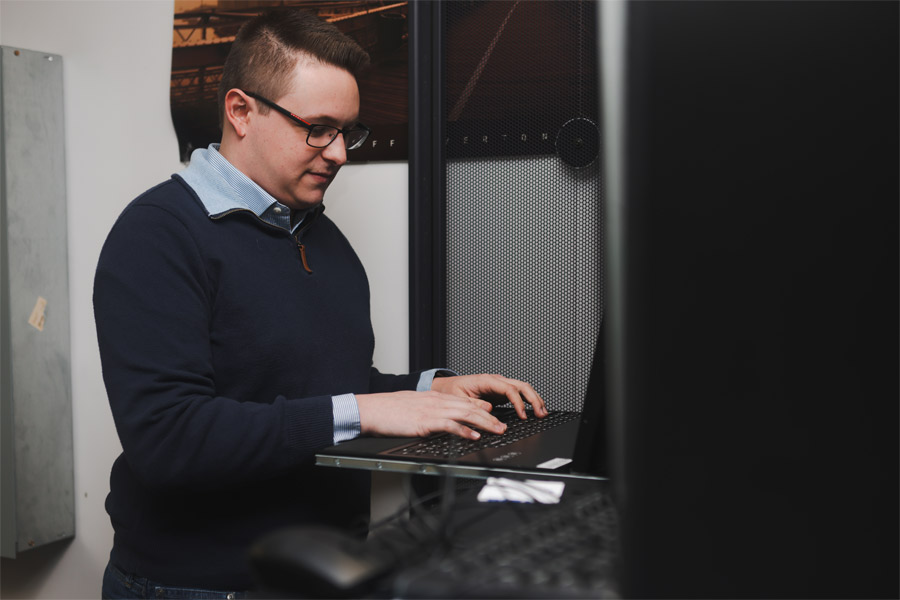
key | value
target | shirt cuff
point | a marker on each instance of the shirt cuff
(427, 377)
(346, 417)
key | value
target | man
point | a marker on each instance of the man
(234, 331)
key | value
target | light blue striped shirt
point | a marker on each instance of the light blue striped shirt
(222, 188)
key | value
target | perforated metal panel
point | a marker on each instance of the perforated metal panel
(523, 196)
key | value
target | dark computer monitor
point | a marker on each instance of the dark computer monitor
(752, 340)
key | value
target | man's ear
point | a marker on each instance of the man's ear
(237, 111)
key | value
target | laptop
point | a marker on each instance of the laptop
(563, 444)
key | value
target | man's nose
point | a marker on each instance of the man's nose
(336, 151)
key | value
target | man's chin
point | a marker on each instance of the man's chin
(307, 202)
(307, 205)
(309, 197)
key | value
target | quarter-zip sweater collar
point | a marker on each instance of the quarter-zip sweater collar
(222, 189)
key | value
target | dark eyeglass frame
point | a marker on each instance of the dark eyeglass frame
(300, 121)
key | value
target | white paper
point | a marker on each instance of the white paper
(501, 489)
(554, 463)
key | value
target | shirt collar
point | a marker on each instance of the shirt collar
(222, 188)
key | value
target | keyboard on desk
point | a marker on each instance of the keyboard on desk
(566, 552)
(446, 446)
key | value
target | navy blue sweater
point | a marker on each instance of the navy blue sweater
(220, 355)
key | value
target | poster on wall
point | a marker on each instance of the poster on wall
(204, 30)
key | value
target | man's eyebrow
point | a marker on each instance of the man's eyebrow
(328, 120)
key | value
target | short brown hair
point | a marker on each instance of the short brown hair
(267, 48)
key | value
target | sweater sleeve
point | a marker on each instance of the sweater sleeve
(383, 382)
(152, 306)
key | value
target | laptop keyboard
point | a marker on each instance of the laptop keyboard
(568, 552)
(451, 446)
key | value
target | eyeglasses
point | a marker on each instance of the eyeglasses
(320, 136)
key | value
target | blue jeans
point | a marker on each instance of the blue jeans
(117, 584)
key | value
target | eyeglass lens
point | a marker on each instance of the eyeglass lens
(355, 138)
(322, 135)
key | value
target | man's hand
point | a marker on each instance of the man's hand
(495, 388)
(418, 414)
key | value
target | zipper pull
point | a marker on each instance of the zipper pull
(303, 257)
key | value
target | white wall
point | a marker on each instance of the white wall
(119, 141)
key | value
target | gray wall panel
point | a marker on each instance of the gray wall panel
(36, 363)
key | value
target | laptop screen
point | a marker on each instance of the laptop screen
(591, 448)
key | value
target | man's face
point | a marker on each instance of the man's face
(282, 163)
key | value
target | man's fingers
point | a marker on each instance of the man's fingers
(482, 404)
(419, 414)
(519, 392)
(462, 431)
(456, 413)
(515, 398)
(481, 419)
(536, 402)
(496, 387)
